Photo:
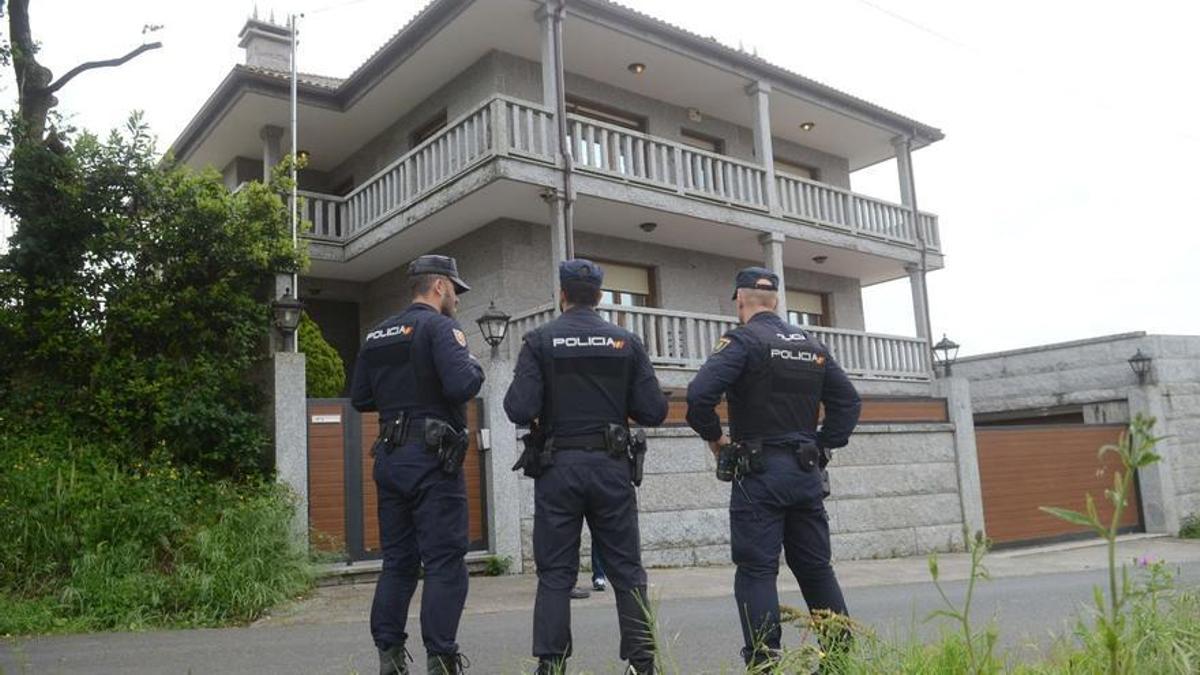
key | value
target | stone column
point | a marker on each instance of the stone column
(772, 243)
(916, 282)
(760, 104)
(504, 485)
(272, 137)
(558, 236)
(290, 428)
(1157, 481)
(957, 391)
(546, 15)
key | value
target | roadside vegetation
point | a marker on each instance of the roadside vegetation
(1142, 621)
(135, 485)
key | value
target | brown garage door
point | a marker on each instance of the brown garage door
(1024, 468)
(342, 499)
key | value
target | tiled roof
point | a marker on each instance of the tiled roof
(323, 81)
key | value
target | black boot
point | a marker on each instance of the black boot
(642, 668)
(394, 660)
(446, 664)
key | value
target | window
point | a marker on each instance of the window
(794, 169)
(806, 309)
(428, 129)
(595, 156)
(606, 114)
(700, 141)
(626, 285)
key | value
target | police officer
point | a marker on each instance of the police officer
(414, 368)
(582, 378)
(775, 376)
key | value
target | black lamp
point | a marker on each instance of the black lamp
(1140, 364)
(287, 313)
(494, 325)
(945, 352)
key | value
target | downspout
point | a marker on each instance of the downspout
(568, 200)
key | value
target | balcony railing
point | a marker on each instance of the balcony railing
(841, 209)
(686, 339)
(504, 126)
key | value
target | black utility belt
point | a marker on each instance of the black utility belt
(617, 440)
(440, 437)
(597, 442)
(743, 458)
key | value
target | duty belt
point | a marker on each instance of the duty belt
(594, 441)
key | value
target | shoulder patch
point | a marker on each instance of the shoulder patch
(460, 337)
(722, 343)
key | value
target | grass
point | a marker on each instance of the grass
(86, 544)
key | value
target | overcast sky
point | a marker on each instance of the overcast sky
(1067, 185)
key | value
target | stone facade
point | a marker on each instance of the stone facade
(895, 492)
(1094, 377)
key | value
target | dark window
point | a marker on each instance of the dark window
(794, 169)
(606, 114)
(700, 141)
(428, 129)
(806, 308)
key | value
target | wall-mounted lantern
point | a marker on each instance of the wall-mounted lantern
(493, 324)
(945, 353)
(1139, 363)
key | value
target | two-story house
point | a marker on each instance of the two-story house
(688, 160)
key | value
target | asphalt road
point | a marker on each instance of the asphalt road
(701, 635)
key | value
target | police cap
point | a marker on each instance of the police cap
(442, 265)
(757, 278)
(580, 270)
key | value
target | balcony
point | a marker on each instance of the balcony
(685, 339)
(525, 132)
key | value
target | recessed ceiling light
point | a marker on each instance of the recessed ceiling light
(820, 259)
(637, 68)
(807, 126)
(648, 227)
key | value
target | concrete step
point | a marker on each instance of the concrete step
(366, 571)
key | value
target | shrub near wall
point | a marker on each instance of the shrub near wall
(86, 544)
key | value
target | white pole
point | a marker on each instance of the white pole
(295, 202)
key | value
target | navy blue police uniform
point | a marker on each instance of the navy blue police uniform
(414, 367)
(577, 375)
(776, 377)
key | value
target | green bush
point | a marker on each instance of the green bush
(324, 371)
(134, 298)
(1191, 527)
(88, 545)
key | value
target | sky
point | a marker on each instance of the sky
(1067, 189)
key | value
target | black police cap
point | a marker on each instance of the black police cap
(443, 265)
(580, 270)
(757, 278)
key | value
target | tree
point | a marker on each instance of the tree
(36, 84)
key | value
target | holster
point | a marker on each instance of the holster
(752, 459)
(637, 456)
(392, 435)
(727, 462)
(616, 440)
(530, 461)
(448, 444)
(808, 456)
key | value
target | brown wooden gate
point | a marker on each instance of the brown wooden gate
(342, 503)
(1022, 468)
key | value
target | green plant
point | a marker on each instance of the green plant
(86, 544)
(497, 565)
(133, 297)
(324, 371)
(1135, 450)
(1190, 529)
(980, 647)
